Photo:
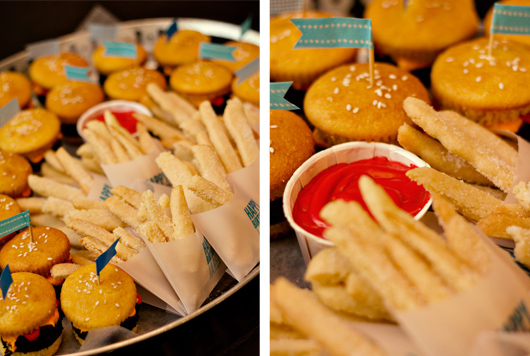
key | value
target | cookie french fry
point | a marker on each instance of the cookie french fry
(150, 231)
(89, 204)
(157, 214)
(48, 187)
(101, 146)
(489, 154)
(521, 236)
(131, 196)
(240, 131)
(33, 204)
(163, 201)
(86, 150)
(92, 164)
(252, 113)
(294, 347)
(159, 128)
(192, 127)
(51, 159)
(146, 141)
(522, 194)
(63, 270)
(100, 128)
(83, 257)
(321, 324)
(219, 138)
(176, 171)
(129, 240)
(119, 151)
(46, 220)
(123, 136)
(202, 138)
(182, 151)
(180, 215)
(437, 156)
(208, 191)
(179, 108)
(75, 169)
(47, 171)
(97, 247)
(103, 218)
(124, 211)
(209, 165)
(469, 201)
(57, 207)
(73, 237)
(495, 225)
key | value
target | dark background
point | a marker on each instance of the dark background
(24, 22)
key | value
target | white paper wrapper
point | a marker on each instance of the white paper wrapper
(522, 172)
(191, 266)
(233, 232)
(496, 302)
(343, 153)
(100, 190)
(247, 179)
(144, 269)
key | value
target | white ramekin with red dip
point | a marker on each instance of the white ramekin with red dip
(333, 173)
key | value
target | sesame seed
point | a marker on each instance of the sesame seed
(271, 149)
(394, 87)
(117, 305)
(87, 319)
(478, 79)
(274, 126)
(388, 96)
(404, 78)
(329, 98)
(465, 71)
(479, 65)
(374, 102)
(449, 59)
(333, 79)
(336, 91)
(352, 68)
(348, 107)
(355, 111)
(501, 86)
(392, 76)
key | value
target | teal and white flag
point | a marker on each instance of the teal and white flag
(334, 32)
(5, 281)
(245, 25)
(510, 20)
(14, 223)
(217, 51)
(277, 93)
(119, 49)
(8, 111)
(79, 74)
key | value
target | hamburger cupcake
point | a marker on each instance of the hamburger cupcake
(130, 84)
(14, 173)
(90, 305)
(14, 85)
(182, 48)
(301, 66)
(48, 71)
(489, 90)
(30, 133)
(244, 54)
(248, 90)
(30, 323)
(343, 106)
(201, 81)
(291, 144)
(8, 208)
(71, 99)
(489, 15)
(49, 247)
(106, 65)
(413, 35)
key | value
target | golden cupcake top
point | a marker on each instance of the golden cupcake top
(48, 247)
(248, 90)
(200, 78)
(70, 100)
(182, 48)
(343, 104)
(89, 304)
(29, 303)
(106, 65)
(14, 173)
(466, 74)
(14, 84)
(244, 53)
(48, 71)
(8, 207)
(29, 130)
(131, 84)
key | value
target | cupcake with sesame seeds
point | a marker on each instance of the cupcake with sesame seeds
(90, 304)
(343, 106)
(37, 254)
(489, 90)
(14, 173)
(30, 323)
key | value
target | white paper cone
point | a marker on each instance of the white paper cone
(496, 302)
(233, 232)
(144, 269)
(495, 343)
(191, 266)
(247, 179)
(100, 189)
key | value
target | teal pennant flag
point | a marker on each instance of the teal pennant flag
(79, 74)
(14, 223)
(171, 30)
(510, 20)
(5, 281)
(217, 51)
(8, 111)
(245, 72)
(333, 32)
(103, 259)
(278, 91)
(119, 49)
(245, 26)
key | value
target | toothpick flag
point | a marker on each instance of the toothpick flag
(119, 49)
(103, 31)
(245, 72)
(245, 26)
(509, 20)
(8, 111)
(217, 51)
(172, 29)
(79, 74)
(278, 91)
(5, 281)
(15, 223)
(105, 257)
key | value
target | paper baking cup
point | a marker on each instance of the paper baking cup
(343, 153)
(112, 105)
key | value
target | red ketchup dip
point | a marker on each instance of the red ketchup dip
(124, 118)
(341, 182)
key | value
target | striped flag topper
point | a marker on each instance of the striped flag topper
(510, 20)
(119, 49)
(334, 32)
(8, 111)
(277, 92)
(79, 74)
(5, 281)
(217, 51)
(15, 223)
